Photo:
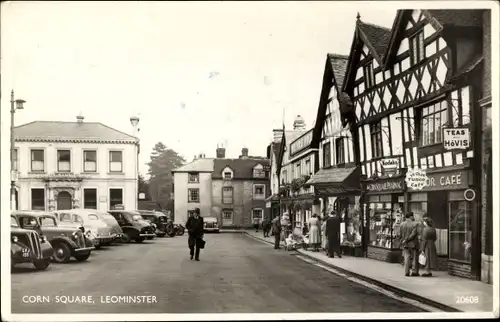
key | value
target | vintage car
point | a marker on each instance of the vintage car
(134, 227)
(94, 226)
(27, 246)
(67, 241)
(210, 224)
(161, 222)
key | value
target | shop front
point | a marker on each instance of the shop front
(383, 208)
(448, 198)
(338, 190)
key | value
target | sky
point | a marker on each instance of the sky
(196, 74)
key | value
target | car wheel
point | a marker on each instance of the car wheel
(139, 239)
(180, 232)
(98, 246)
(125, 238)
(161, 235)
(41, 264)
(150, 238)
(62, 253)
(82, 257)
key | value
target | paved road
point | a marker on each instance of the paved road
(236, 274)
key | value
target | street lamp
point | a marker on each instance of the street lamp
(14, 105)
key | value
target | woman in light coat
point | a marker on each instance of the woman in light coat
(323, 235)
(428, 246)
(314, 231)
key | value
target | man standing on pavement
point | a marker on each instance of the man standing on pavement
(409, 242)
(194, 225)
(266, 227)
(332, 233)
(277, 232)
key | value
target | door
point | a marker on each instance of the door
(227, 218)
(64, 200)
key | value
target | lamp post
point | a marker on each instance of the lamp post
(14, 105)
(134, 121)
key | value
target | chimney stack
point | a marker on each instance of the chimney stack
(299, 124)
(220, 152)
(79, 118)
(134, 121)
(277, 135)
(244, 153)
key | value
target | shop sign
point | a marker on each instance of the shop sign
(268, 204)
(390, 166)
(142, 196)
(456, 138)
(388, 185)
(445, 181)
(469, 194)
(416, 179)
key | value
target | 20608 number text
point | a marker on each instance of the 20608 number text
(466, 299)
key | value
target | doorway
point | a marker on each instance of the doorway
(64, 200)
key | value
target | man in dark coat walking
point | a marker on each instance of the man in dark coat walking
(409, 242)
(332, 233)
(194, 225)
(277, 233)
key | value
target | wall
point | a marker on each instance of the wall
(102, 180)
(181, 195)
(238, 200)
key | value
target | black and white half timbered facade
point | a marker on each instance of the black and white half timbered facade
(337, 181)
(415, 91)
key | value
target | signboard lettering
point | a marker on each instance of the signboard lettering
(385, 186)
(456, 138)
(440, 181)
(390, 166)
(416, 179)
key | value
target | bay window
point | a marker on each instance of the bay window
(417, 50)
(434, 118)
(339, 150)
(376, 138)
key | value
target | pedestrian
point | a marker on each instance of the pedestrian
(409, 242)
(428, 246)
(332, 233)
(277, 232)
(314, 237)
(256, 224)
(324, 240)
(194, 225)
(266, 227)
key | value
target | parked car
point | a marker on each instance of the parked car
(134, 227)
(27, 246)
(67, 241)
(95, 228)
(115, 227)
(211, 224)
(162, 222)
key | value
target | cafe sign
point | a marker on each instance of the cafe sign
(416, 179)
(456, 138)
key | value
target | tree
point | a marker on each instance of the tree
(144, 187)
(161, 164)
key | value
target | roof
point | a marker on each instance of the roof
(32, 213)
(70, 131)
(339, 66)
(458, 17)
(467, 68)
(198, 165)
(242, 168)
(377, 36)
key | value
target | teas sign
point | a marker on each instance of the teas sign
(456, 138)
(416, 179)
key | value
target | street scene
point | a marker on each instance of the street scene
(237, 158)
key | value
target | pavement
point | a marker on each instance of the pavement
(454, 294)
(236, 274)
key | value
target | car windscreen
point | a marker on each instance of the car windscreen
(47, 222)
(13, 222)
(162, 218)
(210, 219)
(137, 217)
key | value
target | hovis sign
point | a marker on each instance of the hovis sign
(456, 138)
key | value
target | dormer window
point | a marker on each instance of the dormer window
(417, 52)
(369, 77)
(227, 173)
(258, 171)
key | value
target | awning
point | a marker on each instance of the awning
(332, 181)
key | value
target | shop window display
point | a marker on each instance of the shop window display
(386, 216)
(460, 231)
(352, 222)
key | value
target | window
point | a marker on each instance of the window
(77, 219)
(15, 157)
(228, 175)
(227, 195)
(258, 172)
(115, 197)
(257, 214)
(298, 171)
(227, 217)
(37, 199)
(417, 48)
(384, 210)
(326, 155)
(193, 178)
(434, 118)
(13, 222)
(368, 73)
(376, 137)
(37, 160)
(63, 160)
(65, 217)
(194, 195)
(460, 229)
(47, 222)
(115, 161)
(308, 167)
(258, 191)
(90, 198)
(339, 150)
(89, 161)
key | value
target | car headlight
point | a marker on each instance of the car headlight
(75, 235)
(154, 225)
(43, 239)
(15, 239)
